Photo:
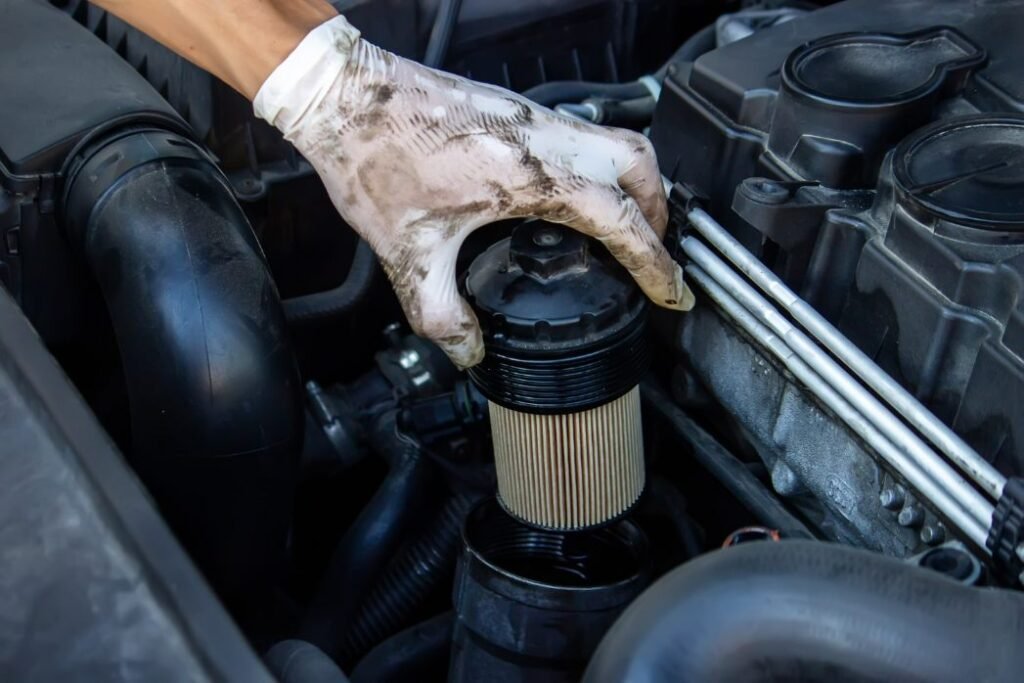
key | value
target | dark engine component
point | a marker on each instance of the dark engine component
(87, 88)
(564, 332)
(868, 153)
(532, 604)
(913, 253)
(212, 386)
(147, 240)
(754, 613)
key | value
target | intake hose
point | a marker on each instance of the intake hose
(806, 611)
(215, 408)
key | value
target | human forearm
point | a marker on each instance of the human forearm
(239, 41)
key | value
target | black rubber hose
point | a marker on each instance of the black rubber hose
(370, 542)
(563, 92)
(725, 467)
(441, 33)
(558, 92)
(670, 503)
(419, 653)
(806, 611)
(296, 661)
(634, 114)
(426, 566)
(341, 300)
(213, 390)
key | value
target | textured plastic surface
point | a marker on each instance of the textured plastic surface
(533, 604)
(891, 145)
(58, 84)
(95, 587)
(846, 99)
(47, 107)
(965, 177)
(563, 323)
(811, 611)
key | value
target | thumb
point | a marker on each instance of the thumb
(428, 294)
(616, 220)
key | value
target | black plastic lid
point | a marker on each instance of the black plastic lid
(562, 321)
(875, 69)
(966, 172)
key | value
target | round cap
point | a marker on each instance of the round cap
(562, 321)
(967, 172)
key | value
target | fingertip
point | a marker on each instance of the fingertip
(463, 351)
(682, 298)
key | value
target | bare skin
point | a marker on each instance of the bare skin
(239, 41)
(415, 159)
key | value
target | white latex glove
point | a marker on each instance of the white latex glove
(415, 160)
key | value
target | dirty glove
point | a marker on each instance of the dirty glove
(415, 160)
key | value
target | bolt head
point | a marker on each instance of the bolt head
(546, 250)
(892, 497)
(910, 515)
(933, 534)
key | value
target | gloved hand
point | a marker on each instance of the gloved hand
(416, 159)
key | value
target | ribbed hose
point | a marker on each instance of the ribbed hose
(342, 299)
(427, 565)
(372, 539)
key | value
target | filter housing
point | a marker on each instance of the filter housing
(564, 332)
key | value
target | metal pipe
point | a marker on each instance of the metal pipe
(960, 504)
(852, 391)
(947, 441)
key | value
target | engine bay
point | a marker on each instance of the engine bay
(814, 474)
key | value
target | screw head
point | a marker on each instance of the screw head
(892, 497)
(546, 251)
(765, 191)
(933, 534)
(911, 515)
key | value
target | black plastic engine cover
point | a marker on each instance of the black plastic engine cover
(871, 154)
(58, 85)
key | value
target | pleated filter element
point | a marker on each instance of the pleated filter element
(569, 471)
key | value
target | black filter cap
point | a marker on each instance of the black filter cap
(563, 322)
(965, 176)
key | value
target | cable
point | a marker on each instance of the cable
(441, 33)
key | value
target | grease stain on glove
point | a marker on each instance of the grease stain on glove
(416, 159)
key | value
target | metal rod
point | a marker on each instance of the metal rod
(946, 499)
(851, 390)
(947, 441)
